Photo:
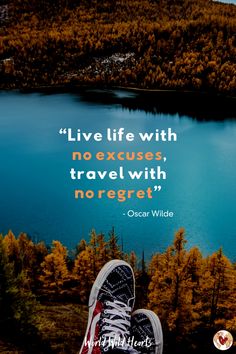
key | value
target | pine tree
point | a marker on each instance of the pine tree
(84, 272)
(218, 289)
(54, 268)
(12, 250)
(18, 306)
(40, 252)
(93, 247)
(80, 247)
(102, 254)
(142, 283)
(133, 261)
(171, 287)
(114, 251)
(26, 251)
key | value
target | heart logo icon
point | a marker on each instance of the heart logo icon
(223, 340)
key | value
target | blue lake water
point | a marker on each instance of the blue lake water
(37, 194)
(228, 1)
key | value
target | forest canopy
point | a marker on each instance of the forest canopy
(154, 44)
(43, 291)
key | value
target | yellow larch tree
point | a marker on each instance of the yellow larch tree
(174, 277)
(54, 268)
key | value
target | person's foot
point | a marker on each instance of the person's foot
(111, 302)
(146, 332)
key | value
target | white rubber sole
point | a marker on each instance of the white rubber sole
(101, 277)
(156, 324)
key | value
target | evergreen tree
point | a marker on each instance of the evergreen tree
(18, 306)
(102, 254)
(142, 281)
(114, 251)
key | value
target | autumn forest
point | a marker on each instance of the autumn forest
(167, 45)
(149, 44)
(44, 292)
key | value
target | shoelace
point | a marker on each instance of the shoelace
(116, 326)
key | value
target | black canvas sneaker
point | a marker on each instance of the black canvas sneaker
(111, 302)
(146, 332)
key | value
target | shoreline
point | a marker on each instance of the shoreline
(199, 105)
(76, 88)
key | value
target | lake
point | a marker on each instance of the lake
(37, 193)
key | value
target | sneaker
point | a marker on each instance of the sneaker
(111, 302)
(146, 332)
